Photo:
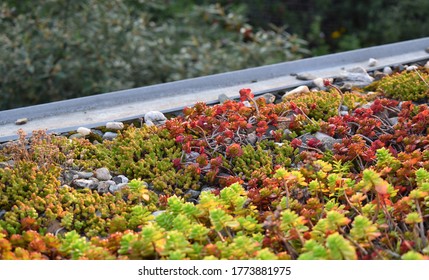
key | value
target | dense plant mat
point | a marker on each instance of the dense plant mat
(323, 175)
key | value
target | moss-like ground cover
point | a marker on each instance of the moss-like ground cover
(293, 180)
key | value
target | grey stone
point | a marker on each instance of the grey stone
(84, 184)
(393, 121)
(320, 83)
(306, 76)
(327, 141)
(387, 70)
(76, 135)
(269, 98)
(412, 68)
(154, 118)
(120, 179)
(110, 135)
(344, 113)
(115, 188)
(193, 193)
(115, 125)
(222, 98)
(21, 121)
(344, 108)
(297, 91)
(103, 186)
(97, 132)
(355, 77)
(85, 175)
(208, 189)
(157, 213)
(2, 213)
(372, 62)
(84, 131)
(252, 138)
(103, 174)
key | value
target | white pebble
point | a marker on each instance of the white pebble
(298, 90)
(154, 118)
(84, 131)
(115, 125)
(411, 68)
(387, 70)
(372, 62)
(427, 65)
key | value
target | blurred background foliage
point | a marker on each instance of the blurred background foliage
(58, 49)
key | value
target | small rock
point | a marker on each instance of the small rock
(393, 121)
(222, 98)
(115, 188)
(97, 132)
(84, 131)
(115, 125)
(252, 138)
(247, 104)
(21, 121)
(411, 68)
(344, 108)
(2, 213)
(320, 83)
(103, 186)
(327, 141)
(298, 90)
(85, 175)
(154, 118)
(84, 184)
(372, 62)
(109, 135)
(426, 65)
(103, 174)
(120, 179)
(387, 70)
(208, 189)
(378, 75)
(157, 213)
(344, 113)
(76, 135)
(193, 194)
(269, 98)
(306, 76)
(355, 77)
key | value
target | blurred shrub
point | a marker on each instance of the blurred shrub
(63, 49)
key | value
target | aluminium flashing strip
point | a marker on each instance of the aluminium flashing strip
(96, 110)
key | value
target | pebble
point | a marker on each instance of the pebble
(393, 121)
(327, 141)
(109, 135)
(427, 65)
(21, 121)
(157, 213)
(372, 62)
(85, 175)
(115, 188)
(154, 118)
(208, 189)
(103, 174)
(193, 193)
(269, 98)
(252, 138)
(411, 68)
(222, 98)
(84, 131)
(103, 186)
(76, 136)
(2, 213)
(306, 76)
(387, 70)
(120, 179)
(84, 184)
(298, 90)
(355, 77)
(115, 125)
(319, 82)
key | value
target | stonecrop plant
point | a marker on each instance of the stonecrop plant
(238, 180)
